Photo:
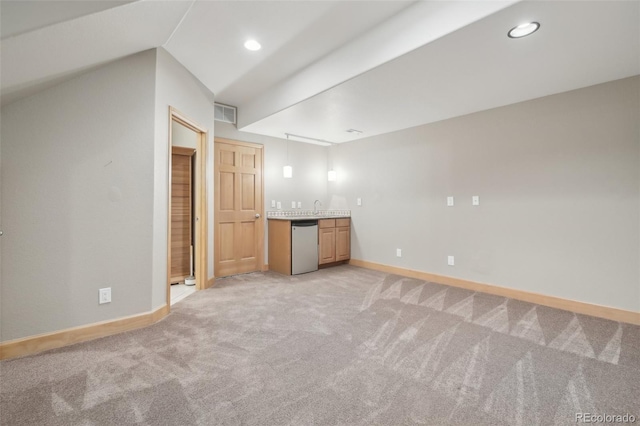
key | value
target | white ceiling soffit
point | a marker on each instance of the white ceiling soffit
(476, 68)
(414, 26)
(48, 53)
(20, 16)
(293, 34)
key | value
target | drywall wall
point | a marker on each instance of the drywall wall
(176, 87)
(558, 181)
(309, 162)
(77, 199)
(1, 244)
(183, 136)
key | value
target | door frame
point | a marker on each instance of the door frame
(200, 210)
(261, 220)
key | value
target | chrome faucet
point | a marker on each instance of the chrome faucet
(315, 207)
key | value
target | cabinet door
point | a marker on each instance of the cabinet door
(327, 245)
(280, 246)
(343, 243)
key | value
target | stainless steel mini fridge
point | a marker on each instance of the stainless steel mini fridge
(304, 246)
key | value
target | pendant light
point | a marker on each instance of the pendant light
(287, 171)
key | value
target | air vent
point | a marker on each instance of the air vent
(225, 113)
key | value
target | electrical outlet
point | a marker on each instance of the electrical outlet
(449, 201)
(299, 204)
(475, 200)
(293, 204)
(273, 204)
(279, 205)
(399, 252)
(450, 261)
(104, 295)
(359, 201)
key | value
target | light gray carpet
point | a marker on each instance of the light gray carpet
(344, 345)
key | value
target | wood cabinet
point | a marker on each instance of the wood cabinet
(334, 243)
(280, 246)
(343, 243)
(326, 245)
(334, 239)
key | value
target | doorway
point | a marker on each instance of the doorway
(238, 192)
(182, 214)
(187, 216)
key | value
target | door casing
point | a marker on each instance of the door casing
(200, 191)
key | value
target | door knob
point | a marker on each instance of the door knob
(257, 215)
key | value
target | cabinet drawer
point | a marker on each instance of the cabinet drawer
(343, 222)
(326, 223)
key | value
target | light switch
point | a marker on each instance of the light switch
(399, 252)
(359, 201)
(450, 261)
(449, 201)
(279, 205)
(293, 204)
(299, 204)
(273, 204)
(475, 200)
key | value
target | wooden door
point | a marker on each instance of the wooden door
(181, 213)
(238, 219)
(326, 245)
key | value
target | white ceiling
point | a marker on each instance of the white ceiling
(20, 16)
(49, 54)
(327, 66)
(293, 35)
(475, 68)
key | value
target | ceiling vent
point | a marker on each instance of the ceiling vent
(225, 113)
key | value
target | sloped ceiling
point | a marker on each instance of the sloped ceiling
(293, 35)
(52, 53)
(475, 68)
(328, 66)
(23, 16)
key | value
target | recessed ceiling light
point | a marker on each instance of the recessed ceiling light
(354, 131)
(523, 30)
(252, 45)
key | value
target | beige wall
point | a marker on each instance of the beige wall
(558, 180)
(77, 200)
(183, 136)
(176, 87)
(84, 200)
